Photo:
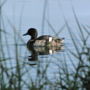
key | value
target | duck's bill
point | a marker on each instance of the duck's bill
(25, 34)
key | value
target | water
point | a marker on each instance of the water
(18, 16)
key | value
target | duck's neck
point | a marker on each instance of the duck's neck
(33, 37)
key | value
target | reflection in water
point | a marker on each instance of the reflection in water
(36, 51)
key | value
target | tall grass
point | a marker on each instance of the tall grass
(20, 76)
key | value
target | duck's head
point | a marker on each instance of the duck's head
(32, 32)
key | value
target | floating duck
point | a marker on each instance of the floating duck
(44, 40)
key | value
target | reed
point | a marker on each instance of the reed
(20, 77)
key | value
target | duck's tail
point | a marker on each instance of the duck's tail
(62, 40)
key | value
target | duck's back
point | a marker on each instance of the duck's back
(44, 37)
(47, 40)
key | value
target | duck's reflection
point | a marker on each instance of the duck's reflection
(36, 51)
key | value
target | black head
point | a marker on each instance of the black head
(32, 32)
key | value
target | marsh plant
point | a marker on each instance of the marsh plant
(15, 72)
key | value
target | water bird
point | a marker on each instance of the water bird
(44, 40)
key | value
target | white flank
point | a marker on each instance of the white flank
(50, 52)
(50, 39)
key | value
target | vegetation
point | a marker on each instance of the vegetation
(17, 74)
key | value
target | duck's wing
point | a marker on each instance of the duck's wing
(41, 40)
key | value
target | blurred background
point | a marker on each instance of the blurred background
(66, 68)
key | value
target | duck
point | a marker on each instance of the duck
(44, 40)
